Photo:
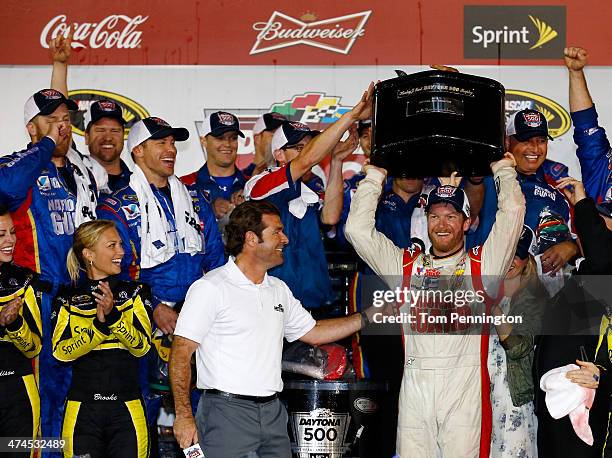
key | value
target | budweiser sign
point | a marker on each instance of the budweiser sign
(114, 31)
(336, 34)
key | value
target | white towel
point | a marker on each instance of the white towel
(297, 206)
(86, 197)
(156, 245)
(99, 173)
(564, 397)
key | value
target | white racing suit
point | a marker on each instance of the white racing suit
(444, 405)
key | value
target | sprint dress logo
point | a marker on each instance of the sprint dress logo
(337, 34)
(315, 109)
(513, 32)
(132, 110)
(559, 121)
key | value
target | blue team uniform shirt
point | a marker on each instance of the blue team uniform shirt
(214, 188)
(304, 268)
(539, 195)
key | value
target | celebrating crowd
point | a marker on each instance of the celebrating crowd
(113, 277)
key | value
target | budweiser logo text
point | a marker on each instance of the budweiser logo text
(281, 31)
(114, 31)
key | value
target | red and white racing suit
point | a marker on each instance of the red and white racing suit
(444, 405)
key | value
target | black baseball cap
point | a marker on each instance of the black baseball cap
(45, 102)
(153, 128)
(362, 125)
(449, 194)
(103, 109)
(526, 124)
(291, 133)
(220, 122)
(268, 121)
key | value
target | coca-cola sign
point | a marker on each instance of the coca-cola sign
(337, 34)
(114, 31)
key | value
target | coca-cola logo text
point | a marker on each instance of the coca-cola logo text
(114, 31)
(336, 34)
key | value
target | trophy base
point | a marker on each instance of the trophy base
(436, 156)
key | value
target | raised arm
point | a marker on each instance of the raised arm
(499, 248)
(372, 246)
(575, 61)
(19, 171)
(593, 145)
(60, 50)
(322, 144)
(332, 204)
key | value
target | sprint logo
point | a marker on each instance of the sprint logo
(546, 32)
(514, 32)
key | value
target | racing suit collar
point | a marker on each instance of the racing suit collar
(204, 174)
(454, 253)
(112, 282)
(539, 175)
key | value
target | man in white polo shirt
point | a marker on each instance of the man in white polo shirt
(235, 319)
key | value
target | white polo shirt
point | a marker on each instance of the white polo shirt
(240, 326)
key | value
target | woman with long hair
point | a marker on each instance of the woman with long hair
(20, 343)
(102, 325)
(511, 350)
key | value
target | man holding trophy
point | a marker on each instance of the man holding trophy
(444, 399)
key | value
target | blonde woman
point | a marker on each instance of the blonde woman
(103, 325)
(511, 351)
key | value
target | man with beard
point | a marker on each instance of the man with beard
(49, 192)
(219, 178)
(444, 404)
(104, 132)
(103, 122)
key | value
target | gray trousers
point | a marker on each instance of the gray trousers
(236, 428)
